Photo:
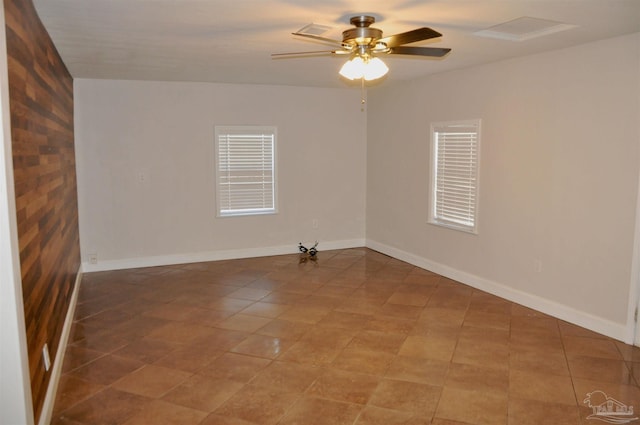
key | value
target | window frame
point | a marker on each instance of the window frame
(433, 216)
(253, 130)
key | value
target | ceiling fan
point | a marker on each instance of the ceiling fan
(364, 44)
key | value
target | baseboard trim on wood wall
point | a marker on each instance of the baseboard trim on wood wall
(56, 370)
(544, 305)
(231, 254)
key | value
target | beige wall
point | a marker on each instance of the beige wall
(558, 177)
(165, 131)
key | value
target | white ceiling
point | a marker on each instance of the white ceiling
(231, 41)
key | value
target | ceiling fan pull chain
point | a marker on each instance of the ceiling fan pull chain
(362, 101)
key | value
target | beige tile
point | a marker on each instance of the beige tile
(236, 367)
(568, 329)
(428, 347)
(487, 353)
(329, 337)
(108, 406)
(481, 335)
(629, 352)
(600, 369)
(181, 332)
(444, 316)
(286, 377)
(400, 311)
(322, 301)
(335, 291)
(338, 319)
(439, 421)
(472, 407)
(146, 350)
(171, 311)
(78, 356)
(263, 346)
(530, 412)
(344, 386)
(408, 298)
(317, 411)
(151, 381)
(543, 387)
(542, 325)
(259, 405)
(475, 378)
(393, 325)
(219, 340)
(311, 353)
(72, 390)
(215, 419)
(187, 358)
(208, 317)
(483, 319)
(158, 411)
(378, 341)
(373, 415)
(591, 347)
(406, 396)
(268, 310)
(284, 329)
(243, 323)
(106, 370)
(356, 337)
(363, 361)
(231, 305)
(626, 394)
(252, 294)
(305, 314)
(202, 393)
(548, 361)
(416, 369)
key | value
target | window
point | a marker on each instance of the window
(245, 170)
(454, 174)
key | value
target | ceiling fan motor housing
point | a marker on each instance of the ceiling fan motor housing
(362, 36)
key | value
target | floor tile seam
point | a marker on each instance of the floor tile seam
(571, 375)
(93, 361)
(68, 372)
(573, 386)
(83, 399)
(154, 397)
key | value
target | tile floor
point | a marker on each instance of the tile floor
(355, 337)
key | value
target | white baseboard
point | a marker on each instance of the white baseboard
(164, 260)
(597, 324)
(586, 320)
(56, 370)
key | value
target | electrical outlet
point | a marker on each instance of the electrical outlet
(314, 223)
(93, 258)
(46, 358)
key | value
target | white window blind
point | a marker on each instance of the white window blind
(454, 189)
(246, 178)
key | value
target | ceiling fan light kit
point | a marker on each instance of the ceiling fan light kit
(367, 68)
(363, 43)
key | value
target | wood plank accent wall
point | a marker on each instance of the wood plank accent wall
(41, 105)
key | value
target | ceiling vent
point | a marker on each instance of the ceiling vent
(314, 29)
(525, 28)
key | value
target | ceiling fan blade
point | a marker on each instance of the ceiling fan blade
(419, 51)
(317, 37)
(410, 37)
(314, 52)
